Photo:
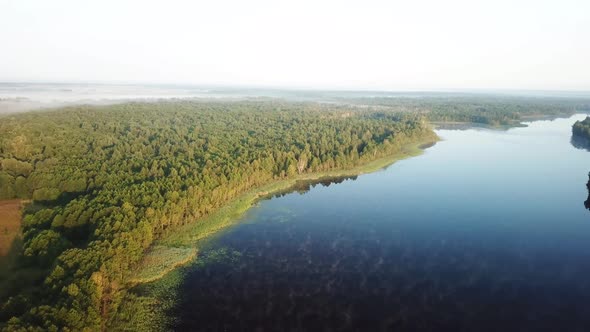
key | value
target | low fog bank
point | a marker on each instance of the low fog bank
(17, 105)
(22, 97)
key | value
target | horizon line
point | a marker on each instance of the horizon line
(279, 87)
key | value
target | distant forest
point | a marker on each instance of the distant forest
(486, 110)
(107, 181)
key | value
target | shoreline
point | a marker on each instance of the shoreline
(188, 237)
(150, 293)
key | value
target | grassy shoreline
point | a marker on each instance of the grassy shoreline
(189, 236)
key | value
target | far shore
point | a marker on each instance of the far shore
(464, 125)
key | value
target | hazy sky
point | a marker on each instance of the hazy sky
(393, 45)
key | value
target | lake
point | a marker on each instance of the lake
(486, 231)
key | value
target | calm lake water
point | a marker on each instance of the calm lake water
(486, 231)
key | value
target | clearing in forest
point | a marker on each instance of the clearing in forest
(10, 218)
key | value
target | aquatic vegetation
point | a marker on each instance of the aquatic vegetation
(219, 255)
(147, 306)
(160, 260)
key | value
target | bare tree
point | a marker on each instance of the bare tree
(301, 164)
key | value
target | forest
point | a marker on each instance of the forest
(105, 182)
(494, 111)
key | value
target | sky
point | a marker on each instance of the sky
(369, 44)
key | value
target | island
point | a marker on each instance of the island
(581, 129)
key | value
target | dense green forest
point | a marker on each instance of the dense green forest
(485, 110)
(582, 128)
(106, 182)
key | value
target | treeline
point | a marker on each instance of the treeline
(491, 111)
(582, 128)
(107, 181)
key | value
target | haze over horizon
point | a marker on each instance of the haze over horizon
(373, 45)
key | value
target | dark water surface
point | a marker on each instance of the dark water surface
(487, 231)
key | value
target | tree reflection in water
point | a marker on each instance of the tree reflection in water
(580, 143)
(303, 186)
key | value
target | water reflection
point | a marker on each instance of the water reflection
(290, 278)
(304, 186)
(587, 202)
(581, 143)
